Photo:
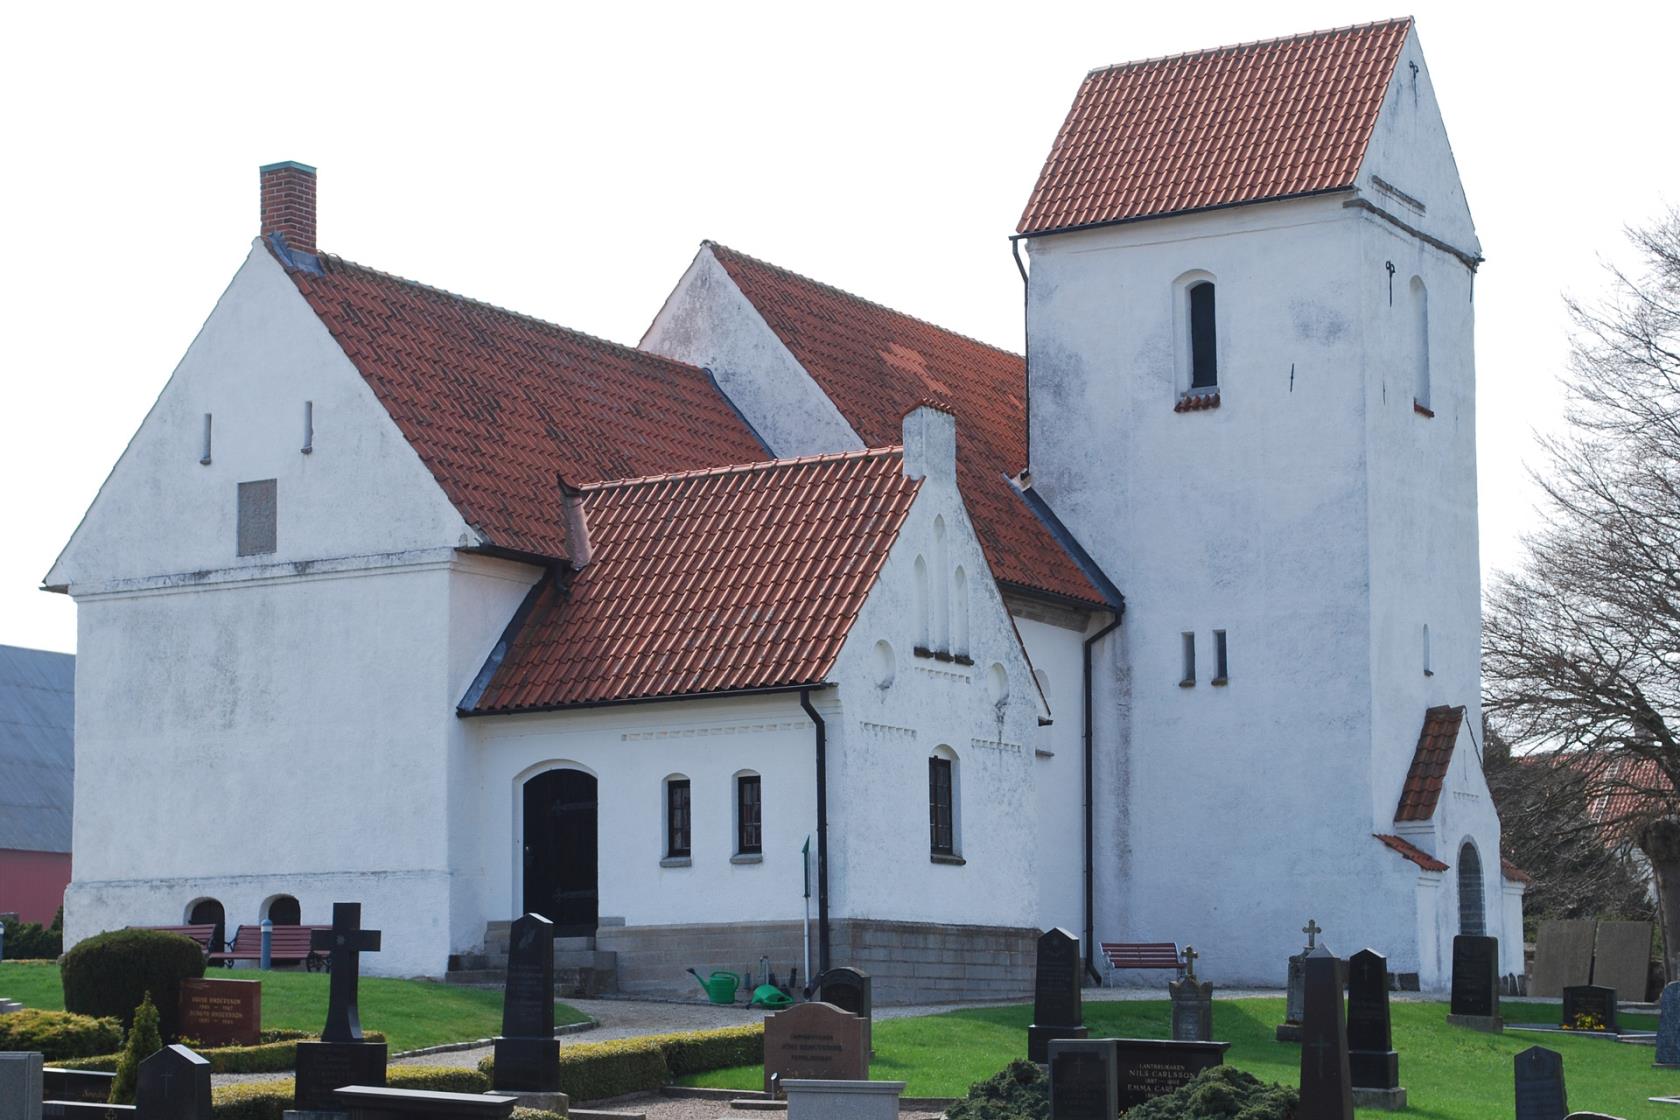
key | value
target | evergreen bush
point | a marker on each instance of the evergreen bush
(1221, 1093)
(58, 1035)
(31, 941)
(143, 1041)
(109, 974)
(593, 1071)
(1019, 1092)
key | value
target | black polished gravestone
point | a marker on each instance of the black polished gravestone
(527, 1053)
(851, 989)
(1372, 1062)
(1058, 1006)
(342, 1057)
(1475, 983)
(1326, 1083)
(1540, 1091)
(375, 1102)
(1586, 1004)
(1147, 1068)
(173, 1084)
(1084, 1079)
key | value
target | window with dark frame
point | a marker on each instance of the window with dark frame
(749, 805)
(676, 818)
(1221, 668)
(943, 839)
(1188, 676)
(1204, 339)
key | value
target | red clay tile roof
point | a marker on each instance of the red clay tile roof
(1514, 873)
(498, 404)
(876, 364)
(1417, 855)
(745, 577)
(1429, 764)
(1234, 124)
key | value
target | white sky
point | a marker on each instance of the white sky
(565, 160)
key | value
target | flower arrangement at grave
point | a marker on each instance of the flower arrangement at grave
(1584, 1021)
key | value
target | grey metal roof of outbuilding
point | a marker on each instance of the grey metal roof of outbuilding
(37, 748)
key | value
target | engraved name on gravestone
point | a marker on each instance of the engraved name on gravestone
(222, 1012)
(1584, 1004)
(20, 1085)
(851, 989)
(1147, 1068)
(1539, 1084)
(342, 1057)
(1084, 1079)
(1058, 1007)
(1668, 1027)
(1326, 1084)
(173, 1084)
(814, 1040)
(527, 1053)
(1475, 983)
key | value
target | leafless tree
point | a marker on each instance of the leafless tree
(1582, 643)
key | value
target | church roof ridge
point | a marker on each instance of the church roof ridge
(1249, 44)
(741, 468)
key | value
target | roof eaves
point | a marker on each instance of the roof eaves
(1063, 536)
(1028, 234)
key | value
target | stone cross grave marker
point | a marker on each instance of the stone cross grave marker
(1150, 1067)
(1192, 1003)
(222, 1012)
(1295, 986)
(1475, 983)
(1058, 1006)
(1084, 1079)
(1563, 955)
(1326, 1084)
(1540, 1091)
(173, 1084)
(342, 1057)
(1668, 1028)
(816, 1041)
(851, 989)
(20, 1085)
(1589, 1001)
(1372, 1061)
(527, 1053)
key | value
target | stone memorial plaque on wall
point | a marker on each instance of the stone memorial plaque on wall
(222, 1012)
(815, 1041)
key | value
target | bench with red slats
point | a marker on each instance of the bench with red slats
(208, 936)
(1144, 954)
(289, 945)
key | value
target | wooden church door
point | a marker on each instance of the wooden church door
(561, 871)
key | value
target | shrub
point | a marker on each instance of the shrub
(269, 1100)
(699, 1051)
(143, 1041)
(58, 1035)
(536, 1114)
(1019, 1092)
(109, 974)
(593, 1071)
(438, 1079)
(1221, 1093)
(31, 941)
(277, 1053)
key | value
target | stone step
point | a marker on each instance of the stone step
(573, 944)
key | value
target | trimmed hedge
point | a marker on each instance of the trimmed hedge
(268, 1100)
(111, 973)
(277, 1053)
(59, 1035)
(593, 1071)
(31, 941)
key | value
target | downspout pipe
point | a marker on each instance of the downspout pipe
(817, 721)
(1026, 342)
(1090, 803)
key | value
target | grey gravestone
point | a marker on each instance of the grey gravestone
(527, 1053)
(1372, 1061)
(816, 1041)
(370, 1102)
(342, 1057)
(1295, 991)
(1590, 1000)
(1668, 1028)
(1563, 955)
(851, 989)
(1147, 1068)
(1540, 1092)
(1084, 1080)
(1192, 1003)
(1326, 1084)
(76, 1084)
(1058, 1006)
(20, 1085)
(1622, 958)
(1475, 983)
(173, 1084)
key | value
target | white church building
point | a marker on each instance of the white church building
(809, 630)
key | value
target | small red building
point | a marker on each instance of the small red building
(37, 776)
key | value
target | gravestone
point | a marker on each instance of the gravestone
(1326, 1084)
(851, 989)
(1295, 992)
(1563, 955)
(222, 1012)
(809, 1099)
(816, 1041)
(86, 1110)
(342, 1057)
(1592, 1001)
(1147, 1068)
(1668, 1028)
(1192, 1003)
(1622, 958)
(1058, 1006)
(527, 1053)
(76, 1084)
(20, 1085)
(1540, 1092)
(173, 1084)
(1084, 1079)
(1475, 983)
(1372, 1062)
(375, 1102)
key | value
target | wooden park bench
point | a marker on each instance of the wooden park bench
(209, 937)
(290, 945)
(1144, 954)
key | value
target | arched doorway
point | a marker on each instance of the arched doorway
(560, 851)
(283, 910)
(1471, 918)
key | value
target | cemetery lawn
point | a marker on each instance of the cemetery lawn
(411, 1013)
(1449, 1073)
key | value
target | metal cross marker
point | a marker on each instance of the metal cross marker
(1190, 956)
(345, 941)
(1312, 929)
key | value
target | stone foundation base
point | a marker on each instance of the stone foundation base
(1492, 1024)
(1389, 1100)
(1289, 1032)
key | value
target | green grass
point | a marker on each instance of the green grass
(1449, 1073)
(410, 1013)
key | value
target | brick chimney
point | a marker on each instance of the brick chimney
(288, 203)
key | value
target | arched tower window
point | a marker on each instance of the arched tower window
(1471, 918)
(944, 806)
(1420, 342)
(1204, 337)
(959, 612)
(923, 638)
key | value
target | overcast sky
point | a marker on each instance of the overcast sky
(565, 161)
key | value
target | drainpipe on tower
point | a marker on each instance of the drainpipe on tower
(822, 833)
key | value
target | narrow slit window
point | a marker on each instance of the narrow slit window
(677, 818)
(1428, 653)
(1189, 676)
(308, 427)
(1221, 667)
(940, 808)
(1420, 344)
(257, 517)
(749, 808)
(1204, 339)
(204, 451)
